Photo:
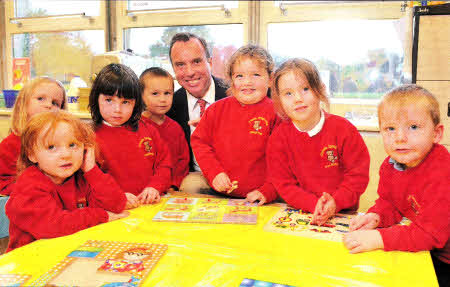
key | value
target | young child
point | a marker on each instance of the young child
(132, 151)
(39, 95)
(414, 182)
(60, 190)
(157, 92)
(230, 141)
(317, 161)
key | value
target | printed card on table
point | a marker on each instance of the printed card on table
(11, 280)
(297, 222)
(208, 210)
(106, 264)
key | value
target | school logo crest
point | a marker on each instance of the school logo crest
(414, 204)
(257, 125)
(81, 202)
(330, 156)
(146, 143)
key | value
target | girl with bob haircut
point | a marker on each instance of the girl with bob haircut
(59, 190)
(39, 95)
(230, 141)
(131, 150)
(318, 162)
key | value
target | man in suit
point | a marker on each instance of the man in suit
(191, 62)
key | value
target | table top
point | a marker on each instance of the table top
(224, 254)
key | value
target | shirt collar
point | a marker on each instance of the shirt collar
(209, 97)
(317, 128)
(398, 166)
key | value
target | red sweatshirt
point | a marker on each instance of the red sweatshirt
(421, 194)
(9, 153)
(39, 208)
(173, 135)
(335, 160)
(232, 138)
(136, 160)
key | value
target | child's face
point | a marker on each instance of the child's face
(408, 133)
(58, 156)
(250, 81)
(158, 94)
(299, 101)
(114, 110)
(45, 97)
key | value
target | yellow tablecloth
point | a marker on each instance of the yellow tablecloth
(224, 254)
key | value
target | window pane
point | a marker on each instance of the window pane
(154, 42)
(147, 5)
(60, 55)
(29, 8)
(357, 58)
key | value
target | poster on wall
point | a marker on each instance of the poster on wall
(21, 72)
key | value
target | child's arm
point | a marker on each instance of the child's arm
(283, 178)
(201, 142)
(9, 152)
(429, 229)
(162, 176)
(366, 221)
(33, 209)
(355, 161)
(103, 191)
(181, 162)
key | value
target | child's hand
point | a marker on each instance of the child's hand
(325, 208)
(363, 240)
(149, 195)
(221, 182)
(114, 216)
(366, 221)
(194, 123)
(88, 159)
(254, 196)
(132, 201)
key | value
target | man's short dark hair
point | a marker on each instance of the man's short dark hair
(184, 37)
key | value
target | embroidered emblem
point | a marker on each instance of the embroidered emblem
(257, 124)
(330, 154)
(81, 202)
(414, 204)
(147, 144)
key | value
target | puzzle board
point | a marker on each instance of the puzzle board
(297, 222)
(13, 279)
(208, 210)
(105, 263)
(258, 283)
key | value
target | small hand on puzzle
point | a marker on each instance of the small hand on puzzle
(234, 185)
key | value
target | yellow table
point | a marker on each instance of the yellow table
(224, 254)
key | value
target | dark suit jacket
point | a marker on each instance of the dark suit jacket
(180, 113)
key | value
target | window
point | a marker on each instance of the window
(30, 8)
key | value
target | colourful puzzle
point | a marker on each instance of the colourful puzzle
(106, 264)
(11, 280)
(297, 222)
(258, 283)
(208, 210)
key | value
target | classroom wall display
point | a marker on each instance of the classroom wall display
(297, 222)
(106, 264)
(208, 210)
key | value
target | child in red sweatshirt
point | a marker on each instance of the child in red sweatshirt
(230, 141)
(40, 95)
(60, 190)
(157, 93)
(317, 161)
(414, 182)
(131, 150)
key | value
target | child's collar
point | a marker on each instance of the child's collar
(108, 124)
(398, 166)
(317, 128)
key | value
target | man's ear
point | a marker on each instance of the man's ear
(438, 133)
(209, 62)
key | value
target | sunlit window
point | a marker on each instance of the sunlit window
(60, 55)
(357, 58)
(153, 43)
(32, 8)
(156, 5)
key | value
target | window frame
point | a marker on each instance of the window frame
(45, 25)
